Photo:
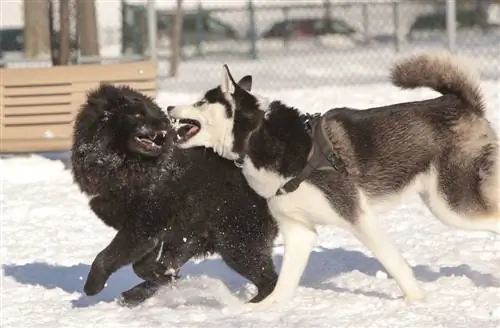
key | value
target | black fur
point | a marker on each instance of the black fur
(215, 96)
(182, 203)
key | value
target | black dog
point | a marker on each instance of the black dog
(167, 205)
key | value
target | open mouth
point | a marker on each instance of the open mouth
(152, 142)
(187, 128)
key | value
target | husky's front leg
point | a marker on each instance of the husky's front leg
(299, 239)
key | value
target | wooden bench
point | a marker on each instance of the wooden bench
(38, 105)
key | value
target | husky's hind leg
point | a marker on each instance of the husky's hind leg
(468, 202)
(379, 243)
(463, 185)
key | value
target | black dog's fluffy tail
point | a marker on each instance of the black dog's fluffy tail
(443, 73)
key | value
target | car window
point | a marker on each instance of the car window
(319, 24)
(215, 26)
(339, 27)
(189, 23)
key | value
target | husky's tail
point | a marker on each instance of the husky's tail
(443, 73)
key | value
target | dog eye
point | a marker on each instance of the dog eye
(137, 115)
(199, 103)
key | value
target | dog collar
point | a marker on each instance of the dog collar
(239, 161)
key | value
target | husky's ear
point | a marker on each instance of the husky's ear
(228, 84)
(246, 83)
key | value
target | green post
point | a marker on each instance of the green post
(252, 32)
(200, 30)
(124, 25)
(286, 37)
(397, 26)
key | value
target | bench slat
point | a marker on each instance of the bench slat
(139, 85)
(37, 119)
(37, 90)
(34, 145)
(43, 109)
(37, 101)
(80, 73)
(44, 132)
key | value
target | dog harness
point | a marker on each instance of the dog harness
(321, 156)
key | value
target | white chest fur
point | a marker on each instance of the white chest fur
(264, 182)
(307, 204)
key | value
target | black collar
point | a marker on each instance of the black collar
(239, 161)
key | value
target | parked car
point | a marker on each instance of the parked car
(308, 27)
(12, 40)
(436, 21)
(210, 29)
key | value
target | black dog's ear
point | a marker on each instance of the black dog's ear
(107, 97)
(246, 83)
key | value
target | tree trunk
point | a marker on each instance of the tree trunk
(63, 32)
(87, 28)
(36, 28)
(175, 43)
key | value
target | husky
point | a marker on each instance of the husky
(343, 167)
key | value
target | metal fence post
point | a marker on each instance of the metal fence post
(200, 30)
(152, 29)
(286, 37)
(397, 26)
(252, 33)
(451, 24)
(366, 22)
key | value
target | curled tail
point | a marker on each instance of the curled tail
(443, 73)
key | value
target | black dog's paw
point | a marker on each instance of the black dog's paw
(139, 293)
(94, 284)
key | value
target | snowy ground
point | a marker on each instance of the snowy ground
(50, 237)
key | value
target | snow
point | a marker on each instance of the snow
(50, 237)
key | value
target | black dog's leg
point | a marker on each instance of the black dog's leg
(139, 293)
(254, 264)
(158, 268)
(108, 212)
(124, 249)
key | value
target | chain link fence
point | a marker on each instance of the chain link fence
(290, 43)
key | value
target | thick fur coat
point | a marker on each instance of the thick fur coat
(167, 205)
(443, 149)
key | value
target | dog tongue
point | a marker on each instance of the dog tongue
(192, 131)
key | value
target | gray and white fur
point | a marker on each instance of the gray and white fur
(444, 149)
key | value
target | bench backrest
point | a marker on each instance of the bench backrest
(38, 105)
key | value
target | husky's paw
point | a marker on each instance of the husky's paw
(414, 296)
(262, 305)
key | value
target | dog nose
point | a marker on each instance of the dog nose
(170, 108)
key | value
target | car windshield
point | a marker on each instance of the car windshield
(339, 26)
(215, 26)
